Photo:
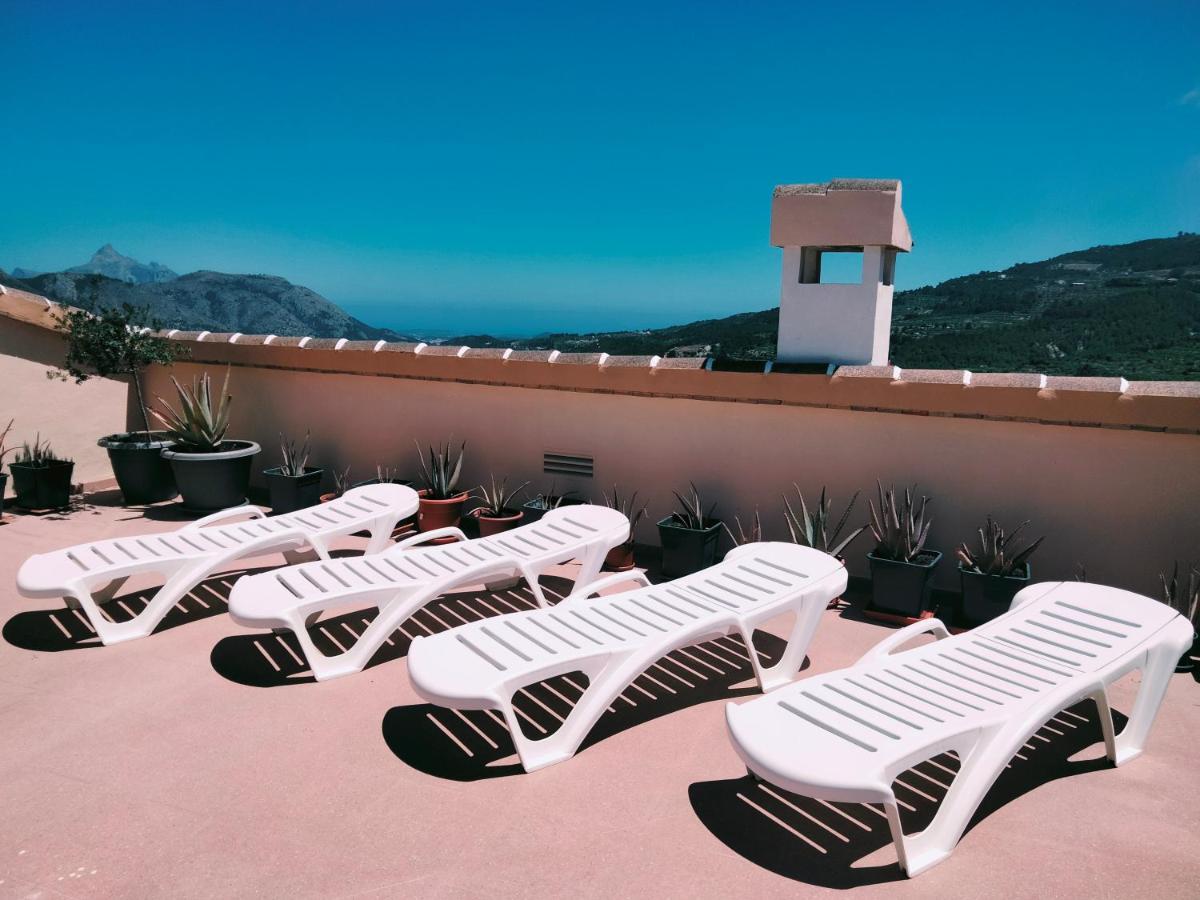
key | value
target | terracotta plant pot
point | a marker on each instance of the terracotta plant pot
(489, 525)
(620, 558)
(434, 514)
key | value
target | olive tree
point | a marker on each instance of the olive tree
(117, 340)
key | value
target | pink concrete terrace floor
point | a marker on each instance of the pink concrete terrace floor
(203, 762)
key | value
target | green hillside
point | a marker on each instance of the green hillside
(1128, 309)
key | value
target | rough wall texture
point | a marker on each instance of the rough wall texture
(1121, 501)
(72, 417)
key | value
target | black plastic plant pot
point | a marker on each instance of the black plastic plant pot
(903, 588)
(142, 474)
(534, 510)
(43, 487)
(292, 492)
(3, 489)
(1187, 662)
(212, 481)
(687, 550)
(986, 596)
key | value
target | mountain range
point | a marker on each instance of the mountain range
(1126, 309)
(199, 301)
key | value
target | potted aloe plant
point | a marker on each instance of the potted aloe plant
(119, 341)
(1184, 598)
(812, 529)
(992, 574)
(441, 503)
(212, 472)
(689, 536)
(293, 484)
(901, 568)
(41, 478)
(341, 484)
(4, 451)
(540, 504)
(384, 475)
(497, 511)
(620, 558)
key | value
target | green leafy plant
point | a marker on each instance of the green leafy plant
(745, 535)
(899, 529)
(114, 341)
(386, 474)
(626, 506)
(497, 499)
(199, 425)
(341, 482)
(691, 513)
(996, 554)
(4, 448)
(1183, 597)
(295, 462)
(811, 529)
(551, 499)
(441, 473)
(38, 455)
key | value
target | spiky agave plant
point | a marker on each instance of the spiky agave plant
(1183, 597)
(746, 534)
(4, 448)
(899, 529)
(626, 506)
(200, 423)
(811, 529)
(691, 513)
(37, 455)
(295, 462)
(497, 499)
(995, 555)
(441, 473)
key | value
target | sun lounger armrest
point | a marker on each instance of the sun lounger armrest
(586, 590)
(423, 536)
(232, 513)
(907, 633)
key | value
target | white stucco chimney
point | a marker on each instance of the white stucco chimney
(846, 324)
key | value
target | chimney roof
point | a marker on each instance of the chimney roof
(845, 212)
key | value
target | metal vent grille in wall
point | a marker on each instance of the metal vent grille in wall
(567, 464)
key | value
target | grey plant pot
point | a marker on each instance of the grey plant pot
(687, 550)
(534, 510)
(212, 481)
(902, 588)
(43, 487)
(292, 492)
(986, 596)
(142, 474)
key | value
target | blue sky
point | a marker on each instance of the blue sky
(514, 167)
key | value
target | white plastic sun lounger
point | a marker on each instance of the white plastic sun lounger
(613, 639)
(407, 576)
(88, 575)
(846, 735)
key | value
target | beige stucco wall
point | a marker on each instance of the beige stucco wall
(72, 417)
(1121, 501)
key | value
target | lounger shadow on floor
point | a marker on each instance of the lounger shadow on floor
(821, 843)
(468, 745)
(62, 628)
(267, 659)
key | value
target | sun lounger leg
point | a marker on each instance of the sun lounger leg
(982, 762)
(173, 590)
(589, 566)
(785, 669)
(381, 536)
(1156, 677)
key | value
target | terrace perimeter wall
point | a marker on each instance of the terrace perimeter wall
(1108, 470)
